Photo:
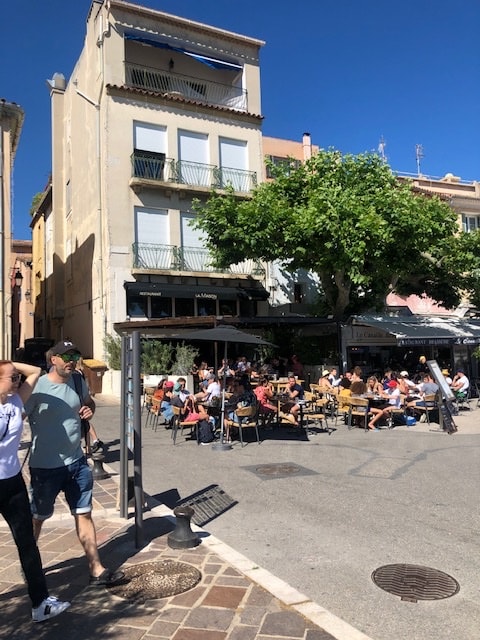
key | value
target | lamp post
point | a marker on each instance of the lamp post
(15, 310)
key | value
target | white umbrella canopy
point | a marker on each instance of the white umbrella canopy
(226, 334)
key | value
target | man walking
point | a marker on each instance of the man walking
(57, 463)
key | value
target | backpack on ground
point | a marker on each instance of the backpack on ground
(205, 433)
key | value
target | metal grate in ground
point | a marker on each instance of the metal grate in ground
(413, 582)
(208, 504)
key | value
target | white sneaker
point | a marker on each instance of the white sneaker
(49, 608)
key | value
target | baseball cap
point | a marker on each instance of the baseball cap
(64, 347)
(404, 374)
(168, 385)
(392, 384)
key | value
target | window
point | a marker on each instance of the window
(298, 295)
(137, 306)
(233, 164)
(150, 147)
(160, 307)
(193, 155)
(152, 234)
(277, 161)
(184, 307)
(470, 223)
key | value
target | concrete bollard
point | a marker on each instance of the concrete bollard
(182, 537)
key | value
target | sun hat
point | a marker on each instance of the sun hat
(445, 372)
(325, 373)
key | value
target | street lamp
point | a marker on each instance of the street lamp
(18, 279)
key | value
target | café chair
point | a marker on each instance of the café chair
(179, 423)
(431, 404)
(358, 409)
(243, 418)
(343, 406)
(396, 411)
(313, 411)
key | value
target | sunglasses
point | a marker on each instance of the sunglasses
(15, 378)
(69, 357)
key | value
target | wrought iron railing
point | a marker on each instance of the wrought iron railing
(173, 258)
(191, 88)
(154, 166)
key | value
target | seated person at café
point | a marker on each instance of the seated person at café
(212, 393)
(264, 392)
(446, 375)
(241, 398)
(406, 385)
(333, 377)
(460, 384)
(392, 397)
(324, 380)
(357, 374)
(424, 388)
(374, 386)
(226, 369)
(159, 391)
(358, 388)
(294, 392)
(166, 405)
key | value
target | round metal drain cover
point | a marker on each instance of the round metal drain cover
(154, 580)
(277, 469)
(413, 582)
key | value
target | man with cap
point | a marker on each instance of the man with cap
(57, 463)
(392, 397)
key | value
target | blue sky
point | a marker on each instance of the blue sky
(347, 71)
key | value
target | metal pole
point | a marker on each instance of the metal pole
(137, 441)
(123, 432)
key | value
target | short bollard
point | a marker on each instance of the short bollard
(182, 537)
(98, 471)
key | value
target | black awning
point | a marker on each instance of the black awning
(424, 331)
(194, 291)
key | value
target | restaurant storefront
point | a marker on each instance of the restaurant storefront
(377, 342)
(155, 300)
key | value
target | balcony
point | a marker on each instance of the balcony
(176, 85)
(155, 167)
(158, 257)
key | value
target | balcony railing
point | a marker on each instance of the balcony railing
(190, 88)
(173, 258)
(154, 166)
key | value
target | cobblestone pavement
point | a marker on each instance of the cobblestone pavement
(234, 599)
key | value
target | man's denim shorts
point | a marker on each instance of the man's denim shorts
(76, 482)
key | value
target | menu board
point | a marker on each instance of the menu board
(447, 397)
(437, 375)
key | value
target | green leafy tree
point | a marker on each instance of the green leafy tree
(185, 356)
(349, 220)
(35, 202)
(113, 349)
(156, 357)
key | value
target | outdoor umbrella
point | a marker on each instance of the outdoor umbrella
(226, 334)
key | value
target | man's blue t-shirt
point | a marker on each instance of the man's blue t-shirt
(52, 412)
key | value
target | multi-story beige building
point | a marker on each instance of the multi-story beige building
(158, 110)
(11, 122)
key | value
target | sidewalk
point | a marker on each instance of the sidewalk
(234, 599)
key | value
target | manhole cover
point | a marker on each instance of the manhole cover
(413, 582)
(280, 469)
(154, 580)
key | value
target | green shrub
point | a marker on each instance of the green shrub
(156, 357)
(113, 351)
(185, 355)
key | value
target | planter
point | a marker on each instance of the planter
(112, 383)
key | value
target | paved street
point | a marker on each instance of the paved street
(355, 501)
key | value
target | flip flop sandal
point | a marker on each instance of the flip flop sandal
(107, 578)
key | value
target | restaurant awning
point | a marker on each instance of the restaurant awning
(194, 291)
(424, 331)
